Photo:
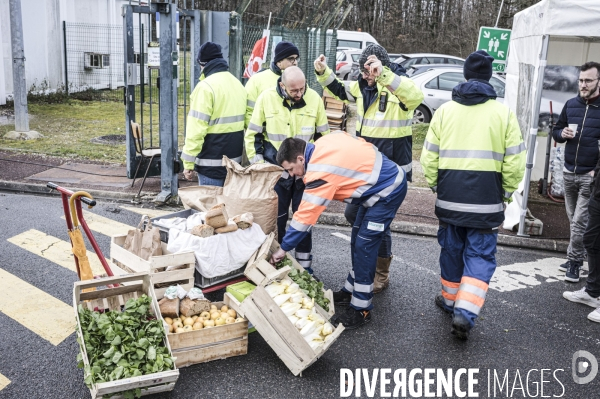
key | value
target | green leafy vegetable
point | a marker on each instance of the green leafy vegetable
(310, 287)
(123, 345)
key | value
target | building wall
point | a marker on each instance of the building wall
(43, 37)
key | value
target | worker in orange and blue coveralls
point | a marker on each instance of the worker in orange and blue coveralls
(342, 167)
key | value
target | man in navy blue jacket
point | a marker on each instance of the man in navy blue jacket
(581, 156)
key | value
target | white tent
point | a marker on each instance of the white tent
(551, 32)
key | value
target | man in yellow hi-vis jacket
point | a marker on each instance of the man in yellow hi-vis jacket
(290, 109)
(215, 123)
(474, 158)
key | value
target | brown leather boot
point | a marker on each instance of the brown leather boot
(382, 274)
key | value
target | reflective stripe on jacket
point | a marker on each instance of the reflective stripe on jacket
(474, 157)
(390, 130)
(215, 124)
(259, 82)
(274, 119)
(344, 168)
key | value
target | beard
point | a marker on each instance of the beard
(589, 91)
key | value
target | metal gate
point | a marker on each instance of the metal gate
(158, 65)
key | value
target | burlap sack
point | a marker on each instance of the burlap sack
(249, 189)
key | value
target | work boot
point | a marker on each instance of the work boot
(342, 297)
(382, 274)
(439, 301)
(572, 274)
(460, 327)
(353, 318)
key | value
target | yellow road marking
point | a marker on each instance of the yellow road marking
(143, 211)
(3, 382)
(53, 249)
(104, 225)
(21, 301)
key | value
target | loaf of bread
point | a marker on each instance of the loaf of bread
(189, 307)
(231, 226)
(244, 220)
(217, 216)
(203, 230)
(169, 307)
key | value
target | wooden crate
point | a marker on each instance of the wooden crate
(113, 299)
(260, 270)
(219, 342)
(156, 266)
(276, 329)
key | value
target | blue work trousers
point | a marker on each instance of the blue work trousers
(368, 231)
(385, 249)
(467, 262)
(290, 190)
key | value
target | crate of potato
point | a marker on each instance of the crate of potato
(214, 333)
(116, 363)
(166, 270)
(298, 331)
(259, 270)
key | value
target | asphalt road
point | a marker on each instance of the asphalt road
(521, 331)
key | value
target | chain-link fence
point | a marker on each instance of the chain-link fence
(94, 55)
(311, 42)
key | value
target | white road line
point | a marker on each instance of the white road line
(36, 310)
(342, 236)
(104, 225)
(144, 211)
(54, 249)
(3, 382)
(526, 275)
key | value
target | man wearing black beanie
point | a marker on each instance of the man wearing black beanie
(474, 158)
(286, 55)
(215, 123)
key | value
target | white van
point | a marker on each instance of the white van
(353, 39)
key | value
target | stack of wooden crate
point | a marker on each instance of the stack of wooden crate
(336, 110)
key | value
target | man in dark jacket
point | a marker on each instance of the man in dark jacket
(581, 156)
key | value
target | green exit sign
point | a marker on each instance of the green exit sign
(495, 42)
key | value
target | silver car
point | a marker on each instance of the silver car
(437, 84)
(343, 61)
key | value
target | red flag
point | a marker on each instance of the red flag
(258, 56)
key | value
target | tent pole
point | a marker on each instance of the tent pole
(535, 116)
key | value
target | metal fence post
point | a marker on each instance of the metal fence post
(235, 44)
(195, 44)
(127, 12)
(66, 57)
(169, 59)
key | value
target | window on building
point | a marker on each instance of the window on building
(96, 60)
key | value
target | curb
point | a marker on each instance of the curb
(326, 218)
(431, 231)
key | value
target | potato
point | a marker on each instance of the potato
(205, 315)
(168, 320)
(224, 308)
(232, 313)
(229, 320)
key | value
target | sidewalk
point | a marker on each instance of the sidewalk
(29, 173)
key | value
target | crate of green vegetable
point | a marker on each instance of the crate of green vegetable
(124, 349)
(259, 270)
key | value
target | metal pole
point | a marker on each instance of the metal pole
(535, 116)
(18, 55)
(169, 59)
(195, 43)
(129, 71)
(499, 12)
(66, 58)
(236, 33)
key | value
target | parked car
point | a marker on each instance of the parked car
(343, 61)
(437, 85)
(561, 78)
(407, 60)
(419, 69)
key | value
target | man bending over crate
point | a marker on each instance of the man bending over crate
(345, 168)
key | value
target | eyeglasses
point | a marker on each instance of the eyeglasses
(293, 59)
(365, 72)
(586, 81)
(298, 91)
